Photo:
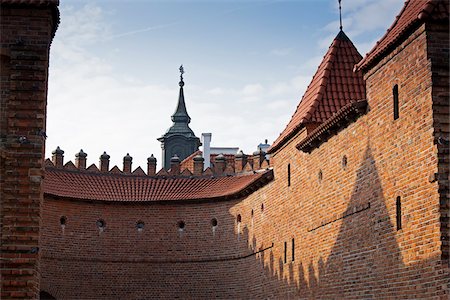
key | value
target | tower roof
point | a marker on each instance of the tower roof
(180, 114)
(180, 117)
(333, 86)
(414, 12)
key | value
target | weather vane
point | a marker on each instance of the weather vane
(340, 15)
(181, 72)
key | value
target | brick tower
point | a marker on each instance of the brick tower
(27, 29)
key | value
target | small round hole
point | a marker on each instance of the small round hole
(214, 222)
(100, 223)
(181, 225)
(63, 221)
(239, 218)
(140, 225)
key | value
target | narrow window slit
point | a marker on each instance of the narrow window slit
(289, 174)
(398, 206)
(396, 105)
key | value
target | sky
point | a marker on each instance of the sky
(113, 75)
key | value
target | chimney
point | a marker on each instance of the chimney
(127, 160)
(175, 165)
(258, 157)
(151, 166)
(239, 162)
(80, 160)
(219, 164)
(206, 142)
(58, 157)
(104, 162)
(198, 165)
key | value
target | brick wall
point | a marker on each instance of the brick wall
(437, 44)
(347, 244)
(25, 39)
(340, 210)
(81, 261)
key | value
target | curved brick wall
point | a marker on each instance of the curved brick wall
(81, 261)
(347, 244)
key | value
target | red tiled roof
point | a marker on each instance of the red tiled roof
(413, 12)
(333, 86)
(116, 187)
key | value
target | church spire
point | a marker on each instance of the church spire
(179, 139)
(340, 15)
(180, 115)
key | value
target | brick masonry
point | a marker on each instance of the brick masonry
(343, 222)
(333, 232)
(25, 39)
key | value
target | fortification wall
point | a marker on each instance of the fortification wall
(357, 217)
(26, 32)
(205, 259)
(362, 208)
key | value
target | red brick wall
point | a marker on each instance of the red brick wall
(25, 39)
(347, 245)
(438, 41)
(81, 262)
(346, 241)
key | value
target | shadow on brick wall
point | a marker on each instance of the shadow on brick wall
(365, 260)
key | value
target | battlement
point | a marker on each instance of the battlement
(193, 165)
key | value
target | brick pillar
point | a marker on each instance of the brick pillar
(58, 157)
(219, 164)
(80, 160)
(175, 165)
(198, 165)
(127, 160)
(104, 162)
(151, 166)
(258, 157)
(27, 29)
(239, 162)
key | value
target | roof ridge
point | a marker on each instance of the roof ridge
(412, 13)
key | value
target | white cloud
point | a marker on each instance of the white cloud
(252, 89)
(281, 51)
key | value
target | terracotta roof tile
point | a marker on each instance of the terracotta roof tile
(414, 12)
(114, 187)
(333, 86)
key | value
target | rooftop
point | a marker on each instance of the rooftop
(414, 12)
(333, 86)
(82, 185)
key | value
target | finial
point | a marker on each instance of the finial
(340, 15)
(181, 75)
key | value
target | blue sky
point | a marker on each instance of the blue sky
(113, 81)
